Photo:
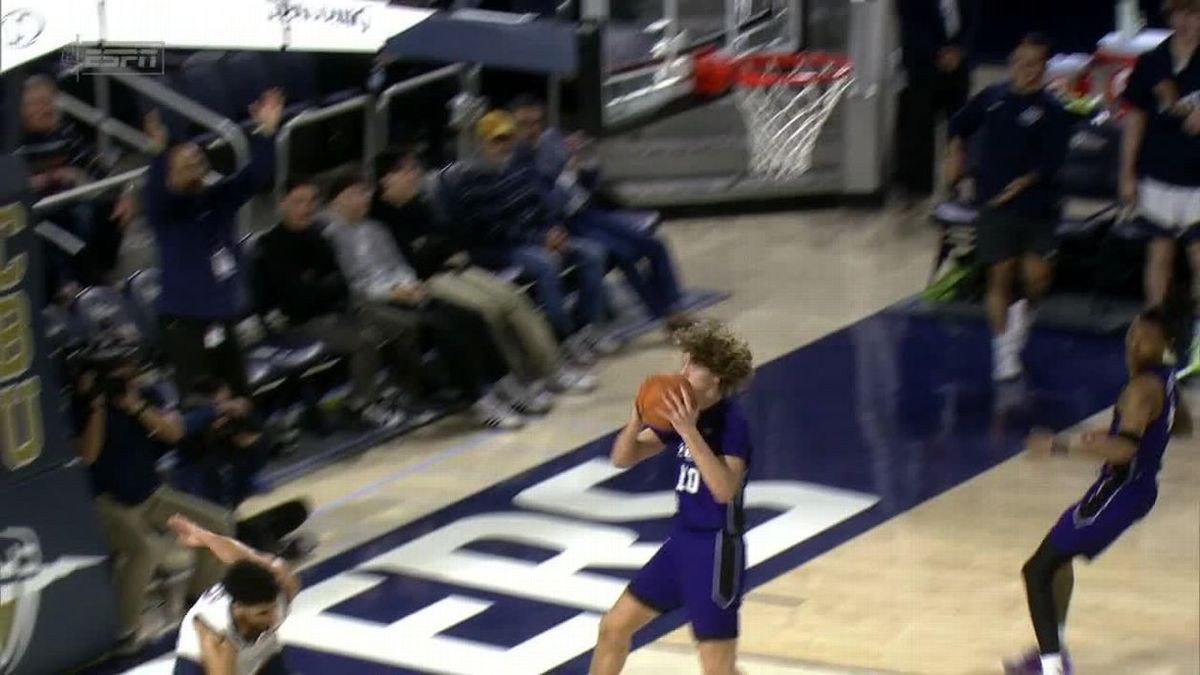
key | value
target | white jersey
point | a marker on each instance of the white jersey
(214, 608)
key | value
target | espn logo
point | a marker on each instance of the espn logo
(147, 58)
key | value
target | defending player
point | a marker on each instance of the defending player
(702, 564)
(231, 630)
(1146, 415)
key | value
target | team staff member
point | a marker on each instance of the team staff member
(203, 293)
(1024, 141)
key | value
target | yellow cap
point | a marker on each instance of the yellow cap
(495, 124)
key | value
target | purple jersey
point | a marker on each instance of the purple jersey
(1124, 493)
(1148, 460)
(724, 428)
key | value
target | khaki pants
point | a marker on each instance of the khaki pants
(139, 539)
(521, 332)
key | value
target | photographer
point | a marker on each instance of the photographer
(230, 451)
(221, 463)
(121, 430)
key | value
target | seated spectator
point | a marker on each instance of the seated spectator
(507, 223)
(60, 158)
(195, 225)
(571, 178)
(525, 338)
(297, 273)
(382, 279)
(121, 429)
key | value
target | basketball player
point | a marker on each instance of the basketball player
(1146, 414)
(702, 564)
(231, 630)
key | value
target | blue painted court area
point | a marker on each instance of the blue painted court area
(849, 431)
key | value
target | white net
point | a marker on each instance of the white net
(784, 113)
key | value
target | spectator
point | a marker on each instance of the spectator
(60, 158)
(1160, 161)
(380, 277)
(298, 274)
(196, 227)
(572, 177)
(936, 39)
(525, 339)
(121, 429)
(508, 223)
(1024, 141)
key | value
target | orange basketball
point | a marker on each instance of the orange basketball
(651, 401)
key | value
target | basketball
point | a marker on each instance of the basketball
(651, 398)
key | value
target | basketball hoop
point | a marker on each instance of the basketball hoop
(784, 99)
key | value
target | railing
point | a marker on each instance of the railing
(104, 125)
(383, 106)
(283, 140)
(225, 128)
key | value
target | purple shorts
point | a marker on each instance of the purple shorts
(701, 571)
(1111, 506)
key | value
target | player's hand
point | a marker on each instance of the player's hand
(216, 651)
(188, 533)
(267, 111)
(635, 417)
(1039, 445)
(681, 410)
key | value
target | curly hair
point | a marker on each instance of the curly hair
(713, 345)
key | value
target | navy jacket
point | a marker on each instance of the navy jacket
(1019, 134)
(190, 229)
(923, 33)
(504, 207)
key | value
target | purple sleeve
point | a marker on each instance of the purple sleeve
(736, 440)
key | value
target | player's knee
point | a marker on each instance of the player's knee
(613, 630)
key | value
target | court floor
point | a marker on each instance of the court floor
(889, 515)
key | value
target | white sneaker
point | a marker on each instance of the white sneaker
(1006, 361)
(493, 414)
(525, 400)
(573, 380)
(576, 351)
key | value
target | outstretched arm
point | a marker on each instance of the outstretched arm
(635, 443)
(1142, 402)
(229, 551)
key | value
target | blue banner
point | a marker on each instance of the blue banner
(56, 601)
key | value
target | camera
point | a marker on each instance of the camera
(103, 358)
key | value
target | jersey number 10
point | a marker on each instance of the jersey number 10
(689, 480)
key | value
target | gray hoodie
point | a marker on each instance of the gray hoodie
(370, 258)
